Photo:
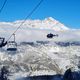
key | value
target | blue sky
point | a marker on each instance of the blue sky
(66, 11)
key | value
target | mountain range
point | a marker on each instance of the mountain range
(33, 30)
(40, 58)
(47, 23)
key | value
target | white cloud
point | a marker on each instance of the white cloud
(38, 29)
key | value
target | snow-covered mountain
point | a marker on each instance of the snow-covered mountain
(47, 23)
(39, 59)
(35, 29)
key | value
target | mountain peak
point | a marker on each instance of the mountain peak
(55, 24)
(50, 19)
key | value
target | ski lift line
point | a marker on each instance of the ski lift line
(26, 18)
(2, 9)
(3, 6)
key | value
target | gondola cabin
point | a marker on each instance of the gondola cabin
(11, 46)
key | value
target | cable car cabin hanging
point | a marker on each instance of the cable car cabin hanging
(50, 35)
(12, 45)
(2, 42)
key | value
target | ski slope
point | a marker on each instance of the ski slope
(39, 59)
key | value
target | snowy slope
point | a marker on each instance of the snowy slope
(40, 60)
(47, 23)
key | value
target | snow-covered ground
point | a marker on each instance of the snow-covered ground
(39, 59)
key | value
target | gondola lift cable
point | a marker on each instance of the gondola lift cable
(4, 3)
(2, 40)
(3, 6)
